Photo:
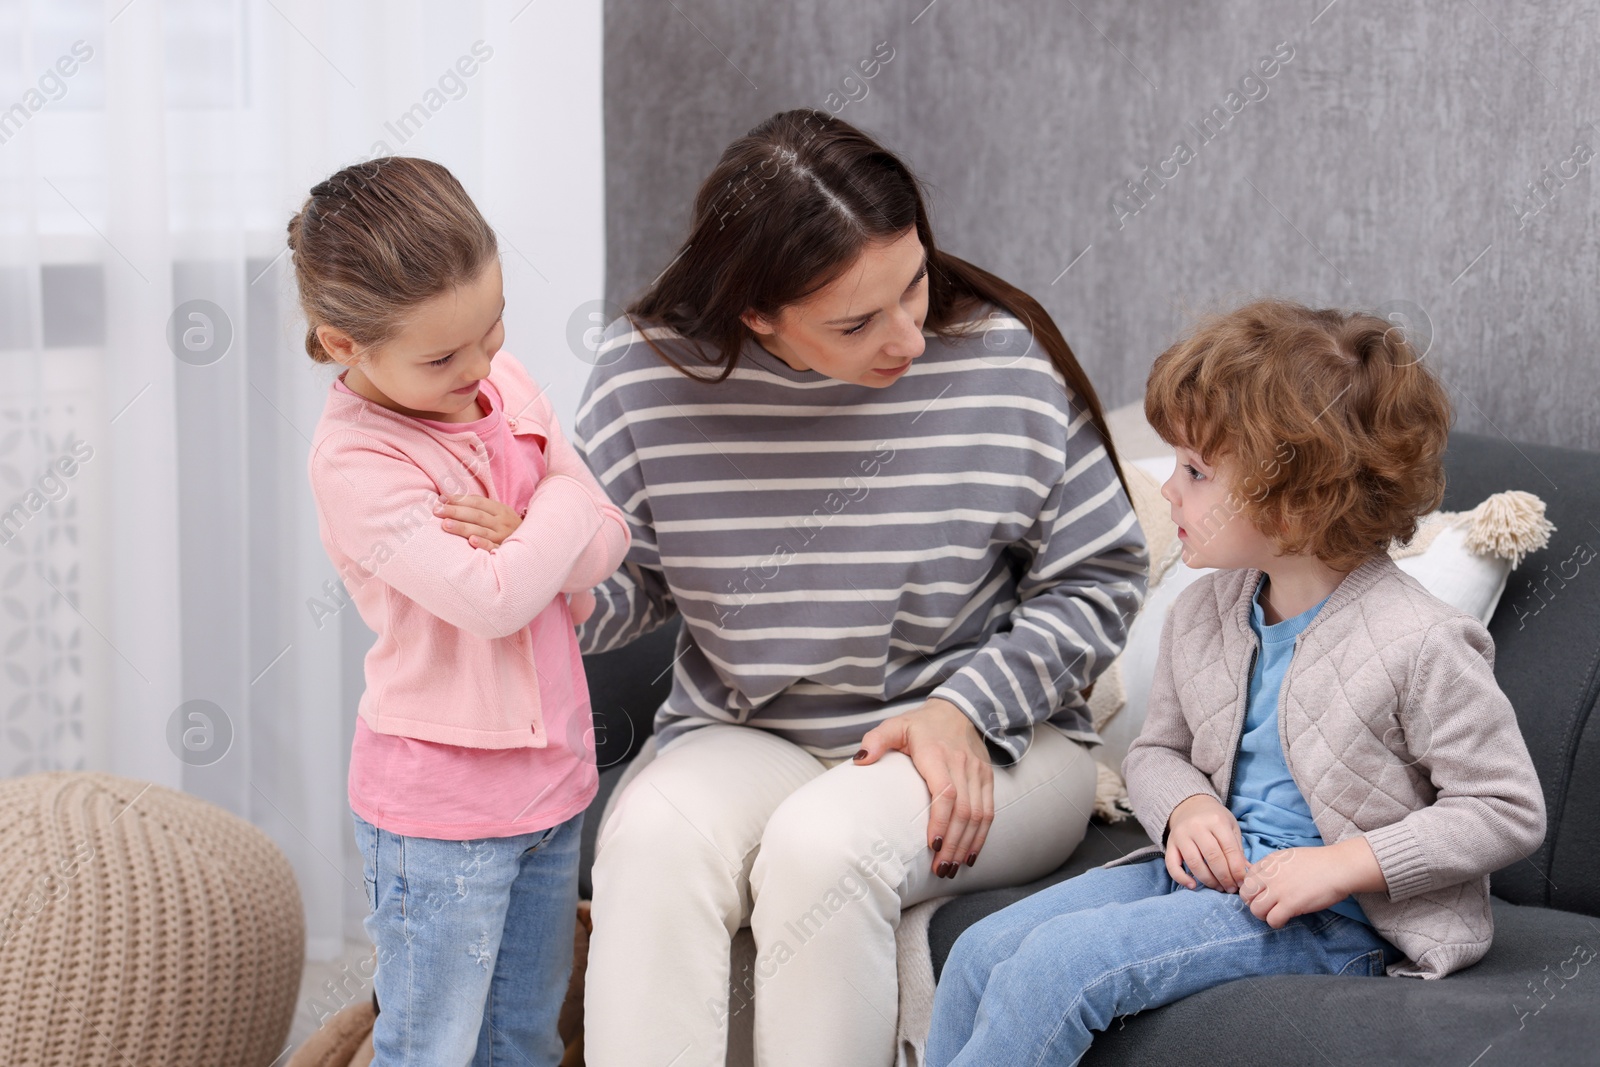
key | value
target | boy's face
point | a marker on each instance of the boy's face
(1213, 529)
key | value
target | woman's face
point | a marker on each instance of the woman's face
(431, 367)
(865, 326)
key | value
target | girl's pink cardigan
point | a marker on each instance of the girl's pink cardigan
(454, 661)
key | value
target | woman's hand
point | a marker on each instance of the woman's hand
(483, 522)
(947, 750)
(1203, 833)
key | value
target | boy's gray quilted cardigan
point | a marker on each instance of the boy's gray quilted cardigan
(1393, 727)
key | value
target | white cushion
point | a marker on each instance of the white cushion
(1455, 574)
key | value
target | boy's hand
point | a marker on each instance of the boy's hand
(1298, 881)
(1203, 833)
(483, 522)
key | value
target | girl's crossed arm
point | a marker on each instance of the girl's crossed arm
(486, 523)
(378, 507)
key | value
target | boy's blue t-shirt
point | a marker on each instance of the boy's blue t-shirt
(1270, 808)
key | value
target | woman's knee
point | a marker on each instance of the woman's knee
(649, 838)
(812, 848)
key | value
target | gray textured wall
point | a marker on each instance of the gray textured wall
(1390, 164)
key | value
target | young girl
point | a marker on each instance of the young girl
(1327, 762)
(470, 770)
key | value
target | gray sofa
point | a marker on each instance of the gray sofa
(1534, 1000)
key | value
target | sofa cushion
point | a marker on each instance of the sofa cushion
(1503, 1003)
(1536, 993)
(1546, 631)
(626, 686)
(1539, 983)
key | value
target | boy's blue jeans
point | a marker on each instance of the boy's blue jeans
(474, 942)
(1030, 984)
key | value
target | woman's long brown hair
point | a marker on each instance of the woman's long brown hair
(789, 207)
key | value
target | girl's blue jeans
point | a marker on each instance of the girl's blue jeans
(1031, 983)
(474, 942)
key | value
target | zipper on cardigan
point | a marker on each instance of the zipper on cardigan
(1240, 716)
(1283, 731)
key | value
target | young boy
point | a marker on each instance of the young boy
(1327, 762)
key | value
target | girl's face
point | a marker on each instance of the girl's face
(1212, 527)
(431, 367)
(865, 326)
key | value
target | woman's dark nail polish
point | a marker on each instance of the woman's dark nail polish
(972, 857)
(938, 843)
(944, 869)
(860, 755)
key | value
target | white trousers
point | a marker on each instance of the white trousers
(730, 826)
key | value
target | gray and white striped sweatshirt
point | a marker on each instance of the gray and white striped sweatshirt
(840, 553)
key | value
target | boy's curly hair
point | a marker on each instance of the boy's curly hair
(1328, 423)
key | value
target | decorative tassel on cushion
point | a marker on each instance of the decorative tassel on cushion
(1508, 525)
(1111, 803)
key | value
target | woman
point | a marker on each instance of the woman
(897, 555)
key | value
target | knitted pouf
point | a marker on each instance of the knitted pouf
(141, 927)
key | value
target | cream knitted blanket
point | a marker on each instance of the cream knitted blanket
(914, 961)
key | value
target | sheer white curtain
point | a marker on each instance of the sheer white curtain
(164, 599)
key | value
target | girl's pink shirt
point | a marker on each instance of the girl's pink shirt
(453, 793)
